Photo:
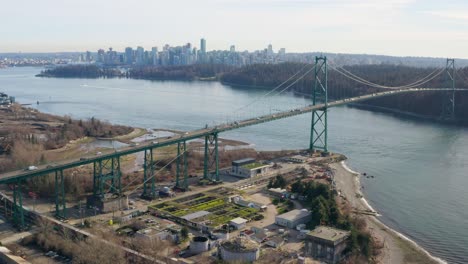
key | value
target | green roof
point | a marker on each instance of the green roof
(253, 165)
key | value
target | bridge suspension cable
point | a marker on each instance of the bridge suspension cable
(462, 75)
(297, 80)
(278, 87)
(361, 80)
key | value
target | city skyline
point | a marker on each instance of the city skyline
(387, 27)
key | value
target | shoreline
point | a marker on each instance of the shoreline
(398, 247)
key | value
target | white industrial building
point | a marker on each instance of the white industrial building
(238, 223)
(247, 168)
(293, 218)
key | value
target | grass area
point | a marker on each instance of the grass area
(253, 165)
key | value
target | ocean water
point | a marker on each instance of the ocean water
(420, 168)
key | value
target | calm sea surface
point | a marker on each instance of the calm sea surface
(420, 168)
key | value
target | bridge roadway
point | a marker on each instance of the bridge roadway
(13, 176)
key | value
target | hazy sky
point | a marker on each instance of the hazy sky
(436, 28)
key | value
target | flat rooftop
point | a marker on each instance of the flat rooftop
(195, 215)
(243, 161)
(254, 165)
(238, 221)
(294, 214)
(329, 233)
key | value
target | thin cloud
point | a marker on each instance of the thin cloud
(453, 15)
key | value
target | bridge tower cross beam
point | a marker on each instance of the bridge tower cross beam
(149, 167)
(449, 100)
(182, 165)
(211, 161)
(18, 212)
(319, 125)
(60, 205)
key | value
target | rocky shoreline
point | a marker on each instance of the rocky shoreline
(397, 247)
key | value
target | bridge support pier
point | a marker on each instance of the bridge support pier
(60, 205)
(18, 212)
(182, 166)
(319, 129)
(211, 161)
(149, 177)
(107, 177)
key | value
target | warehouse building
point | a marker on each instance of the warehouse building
(293, 218)
(248, 167)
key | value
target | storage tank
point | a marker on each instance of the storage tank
(199, 244)
(239, 250)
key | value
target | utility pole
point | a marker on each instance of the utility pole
(81, 215)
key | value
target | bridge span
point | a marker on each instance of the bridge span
(14, 176)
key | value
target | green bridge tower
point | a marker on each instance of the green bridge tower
(448, 110)
(319, 129)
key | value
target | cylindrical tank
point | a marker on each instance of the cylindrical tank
(239, 250)
(166, 189)
(199, 244)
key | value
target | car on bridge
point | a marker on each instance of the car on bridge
(31, 168)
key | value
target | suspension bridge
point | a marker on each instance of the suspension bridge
(106, 167)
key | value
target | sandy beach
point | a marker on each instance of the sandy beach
(397, 248)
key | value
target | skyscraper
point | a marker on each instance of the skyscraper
(270, 50)
(140, 56)
(129, 55)
(203, 46)
(233, 48)
(202, 53)
(100, 56)
(154, 55)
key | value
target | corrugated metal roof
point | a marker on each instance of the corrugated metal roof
(195, 215)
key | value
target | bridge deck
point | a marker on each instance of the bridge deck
(12, 176)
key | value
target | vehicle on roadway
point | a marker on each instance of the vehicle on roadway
(31, 168)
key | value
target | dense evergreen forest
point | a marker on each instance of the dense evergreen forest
(80, 71)
(185, 73)
(188, 72)
(426, 104)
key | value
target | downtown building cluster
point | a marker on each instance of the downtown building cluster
(181, 55)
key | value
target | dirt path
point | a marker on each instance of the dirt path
(396, 248)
